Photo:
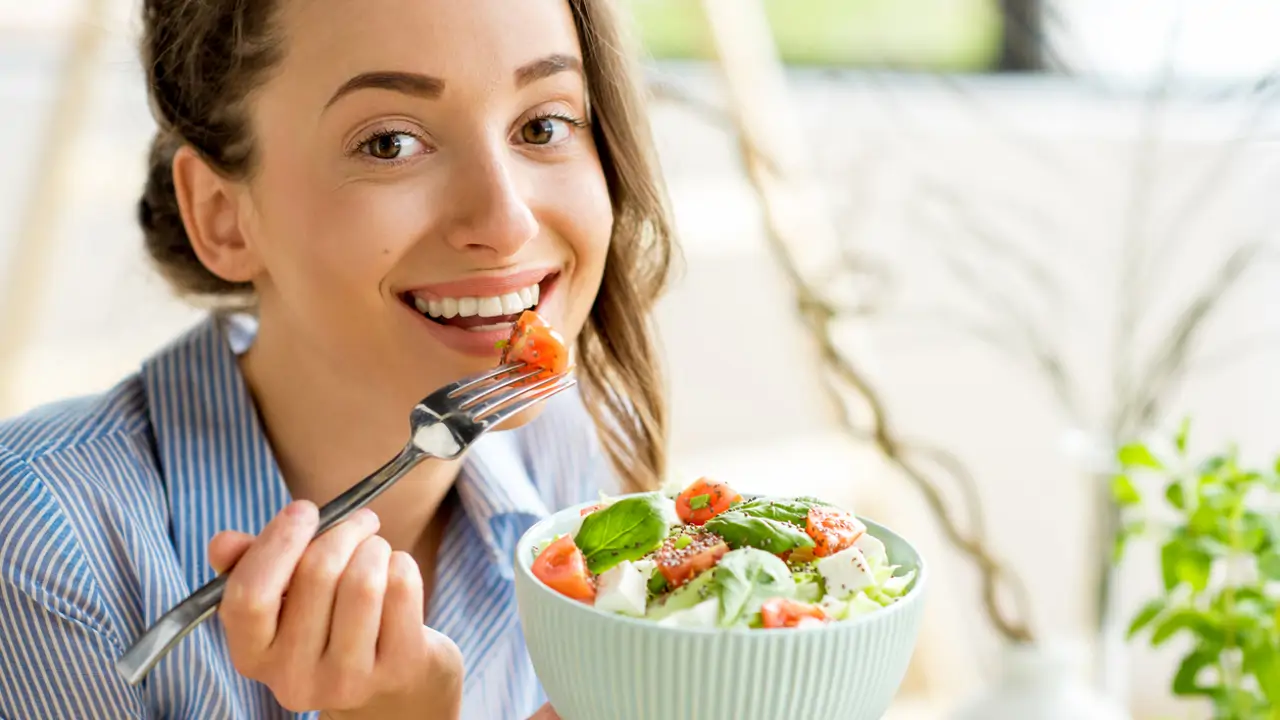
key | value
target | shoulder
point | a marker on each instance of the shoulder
(79, 490)
(58, 614)
(563, 451)
(93, 455)
(57, 427)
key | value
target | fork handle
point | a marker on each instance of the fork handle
(175, 624)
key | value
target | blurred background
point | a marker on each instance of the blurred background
(1047, 227)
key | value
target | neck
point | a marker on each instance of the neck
(328, 433)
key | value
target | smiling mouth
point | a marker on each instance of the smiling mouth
(480, 314)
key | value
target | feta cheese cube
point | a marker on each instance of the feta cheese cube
(621, 589)
(703, 615)
(846, 572)
(872, 549)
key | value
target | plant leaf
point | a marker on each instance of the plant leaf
(626, 530)
(1269, 565)
(1144, 617)
(1127, 532)
(1176, 495)
(1180, 439)
(1184, 682)
(1124, 492)
(1183, 561)
(1260, 659)
(1137, 455)
(745, 578)
(1194, 621)
(740, 530)
(789, 510)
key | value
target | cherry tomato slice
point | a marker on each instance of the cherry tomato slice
(832, 529)
(562, 567)
(703, 500)
(535, 342)
(780, 612)
(684, 557)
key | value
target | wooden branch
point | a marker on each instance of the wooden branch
(773, 163)
(1168, 366)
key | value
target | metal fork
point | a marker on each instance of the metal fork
(443, 425)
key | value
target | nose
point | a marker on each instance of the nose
(490, 214)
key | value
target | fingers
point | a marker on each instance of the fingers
(226, 548)
(545, 713)
(304, 623)
(402, 612)
(357, 610)
(251, 603)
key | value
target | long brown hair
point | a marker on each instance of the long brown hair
(204, 57)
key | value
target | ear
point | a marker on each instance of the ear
(211, 210)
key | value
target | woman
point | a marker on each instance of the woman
(383, 185)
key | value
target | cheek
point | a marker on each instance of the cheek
(332, 244)
(580, 213)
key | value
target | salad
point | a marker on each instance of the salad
(535, 342)
(705, 556)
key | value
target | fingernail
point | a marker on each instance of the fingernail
(301, 509)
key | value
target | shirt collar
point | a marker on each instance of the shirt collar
(220, 473)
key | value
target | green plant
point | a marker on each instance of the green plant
(1218, 526)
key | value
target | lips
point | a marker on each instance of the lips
(473, 316)
(466, 305)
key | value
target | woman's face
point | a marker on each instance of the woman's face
(425, 173)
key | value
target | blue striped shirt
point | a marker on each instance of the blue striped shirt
(107, 505)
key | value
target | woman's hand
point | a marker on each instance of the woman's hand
(334, 624)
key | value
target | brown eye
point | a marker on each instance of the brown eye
(386, 147)
(392, 146)
(539, 132)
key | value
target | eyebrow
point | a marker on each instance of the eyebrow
(423, 86)
(546, 67)
(430, 88)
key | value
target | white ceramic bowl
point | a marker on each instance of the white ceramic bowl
(602, 666)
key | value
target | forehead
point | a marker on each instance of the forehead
(463, 42)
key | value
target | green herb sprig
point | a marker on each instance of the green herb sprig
(1218, 525)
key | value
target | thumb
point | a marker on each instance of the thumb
(226, 548)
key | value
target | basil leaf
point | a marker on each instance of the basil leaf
(741, 530)
(1123, 491)
(1184, 561)
(1137, 455)
(626, 530)
(1185, 682)
(1144, 617)
(788, 510)
(744, 579)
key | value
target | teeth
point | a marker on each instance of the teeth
(508, 304)
(490, 307)
(511, 303)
